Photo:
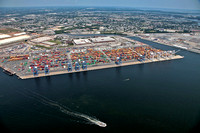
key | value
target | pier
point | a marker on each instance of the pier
(112, 52)
(100, 67)
(8, 71)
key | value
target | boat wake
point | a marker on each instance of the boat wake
(63, 109)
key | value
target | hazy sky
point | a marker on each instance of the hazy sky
(174, 4)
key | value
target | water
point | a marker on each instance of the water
(157, 97)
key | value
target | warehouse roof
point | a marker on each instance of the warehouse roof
(4, 36)
(14, 39)
(41, 39)
(102, 39)
(81, 41)
(49, 43)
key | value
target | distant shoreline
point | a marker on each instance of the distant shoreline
(190, 50)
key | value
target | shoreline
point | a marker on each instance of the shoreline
(99, 67)
(190, 50)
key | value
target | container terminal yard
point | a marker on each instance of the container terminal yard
(86, 54)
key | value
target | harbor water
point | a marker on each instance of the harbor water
(155, 97)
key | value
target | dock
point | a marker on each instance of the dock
(8, 71)
(100, 67)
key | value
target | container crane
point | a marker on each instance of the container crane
(142, 58)
(84, 65)
(46, 69)
(69, 66)
(35, 71)
(77, 66)
(118, 61)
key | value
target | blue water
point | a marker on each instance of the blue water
(158, 97)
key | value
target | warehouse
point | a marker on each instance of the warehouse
(81, 41)
(18, 34)
(4, 36)
(102, 39)
(42, 39)
(48, 44)
(14, 39)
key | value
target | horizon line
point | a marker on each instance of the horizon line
(157, 8)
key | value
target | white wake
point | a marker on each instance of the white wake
(46, 101)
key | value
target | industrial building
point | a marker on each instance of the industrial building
(42, 39)
(18, 34)
(47, 44)
(93, 40)
(102, 39)
(4, 36)
(81, 41)
(14, 39)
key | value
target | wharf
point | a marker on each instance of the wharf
(100, 67)
(8, 71)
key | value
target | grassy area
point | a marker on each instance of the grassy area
(55, 41)
(61, 31)
(70, 44)
(43, 47)
(154, 31)
(8, 30)
(114, 33)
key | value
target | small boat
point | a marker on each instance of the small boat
(127, 79)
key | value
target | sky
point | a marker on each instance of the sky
(169, 4)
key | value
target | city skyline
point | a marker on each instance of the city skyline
(169, 4)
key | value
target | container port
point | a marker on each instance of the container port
(69, 60)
